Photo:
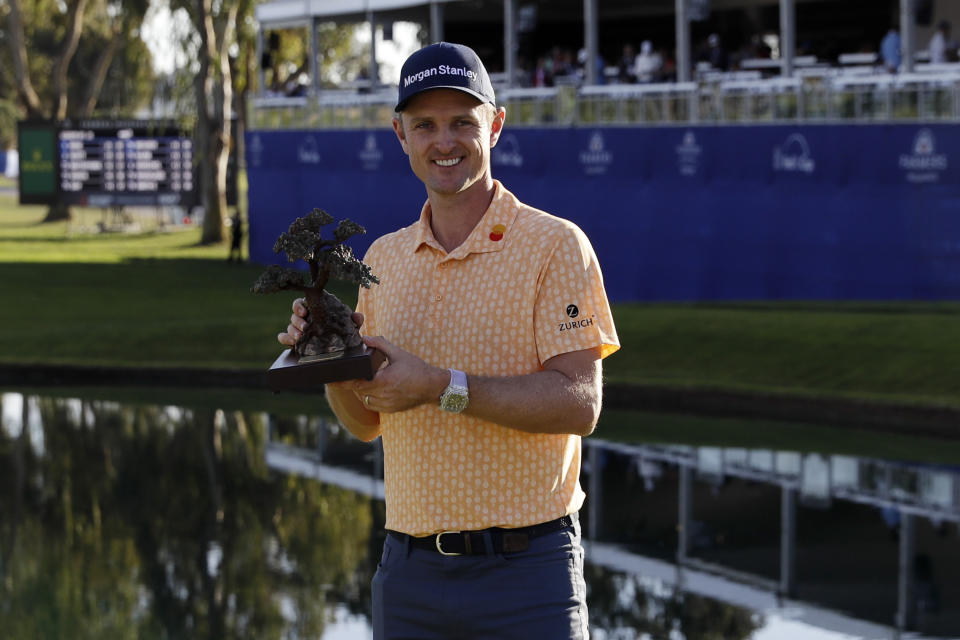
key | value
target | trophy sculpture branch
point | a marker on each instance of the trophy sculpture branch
(330, 330)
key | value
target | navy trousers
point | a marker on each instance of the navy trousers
(535, 594)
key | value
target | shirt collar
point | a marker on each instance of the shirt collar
(491, 234)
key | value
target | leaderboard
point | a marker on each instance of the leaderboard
(105, 163)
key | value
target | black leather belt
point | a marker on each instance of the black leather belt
(459, 543)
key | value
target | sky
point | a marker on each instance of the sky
(158, 32)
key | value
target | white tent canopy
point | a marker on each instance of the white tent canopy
(283, 13)
(286, 14)
(278, 14)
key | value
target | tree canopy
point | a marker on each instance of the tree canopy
(72, 59)
(63, 58)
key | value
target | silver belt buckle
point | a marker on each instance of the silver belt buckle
(440, 548)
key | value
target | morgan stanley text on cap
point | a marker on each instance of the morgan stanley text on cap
(444, 65)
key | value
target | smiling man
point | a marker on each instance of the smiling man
(494, 321)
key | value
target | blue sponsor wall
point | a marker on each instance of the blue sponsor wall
(698, 213)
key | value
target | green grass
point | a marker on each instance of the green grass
(902, 351)
(142, 299)
(157, 298)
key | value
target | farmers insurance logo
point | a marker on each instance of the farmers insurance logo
(507, 152)
(924, 164)
(793, 156)
(575, 322)
(595, 159)
(688, 155)
(370, 156)
(307, 151)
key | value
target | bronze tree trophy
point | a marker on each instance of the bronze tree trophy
(330, 348)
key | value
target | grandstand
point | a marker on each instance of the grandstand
(813, 176)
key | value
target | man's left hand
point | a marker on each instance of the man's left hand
(406, 382)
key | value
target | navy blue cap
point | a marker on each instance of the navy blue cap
(444, 65)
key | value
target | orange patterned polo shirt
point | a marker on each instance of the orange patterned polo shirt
(523, 287)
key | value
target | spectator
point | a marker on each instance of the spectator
(627, 61)
(668, 72)
(236, 238)
(600, 67)
(716, 54)
(890, 50)
(562, 62)
(940, 43)
(543, 74)
(648, 63)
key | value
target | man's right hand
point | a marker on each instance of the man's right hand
(298, 322)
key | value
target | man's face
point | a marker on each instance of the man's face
(448, 135)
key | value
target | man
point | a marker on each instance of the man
(236, 238)
(940, 43)
(648, 63)
(494, 321)
(890, 50)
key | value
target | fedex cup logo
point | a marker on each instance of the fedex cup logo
(793, 156)
(308, 152)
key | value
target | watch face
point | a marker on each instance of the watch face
(453, 402)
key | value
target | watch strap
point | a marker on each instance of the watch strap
(457, 379)
(456, 396)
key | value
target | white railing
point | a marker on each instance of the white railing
(816, 95)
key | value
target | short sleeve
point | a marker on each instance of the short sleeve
(365, 301)
(572, 312)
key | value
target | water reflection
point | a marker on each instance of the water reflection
(158, 522)
(166, 522)
(847, 544)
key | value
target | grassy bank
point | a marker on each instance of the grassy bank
(156, 298)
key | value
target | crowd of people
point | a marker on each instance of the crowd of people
(649, 64)
(561, 66)
(654, 63)
(658, 64)
(941, 49)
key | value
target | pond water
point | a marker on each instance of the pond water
(126, 520)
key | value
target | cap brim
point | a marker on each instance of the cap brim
(403, 103)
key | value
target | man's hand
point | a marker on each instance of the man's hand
(299, 320)
(407, 381)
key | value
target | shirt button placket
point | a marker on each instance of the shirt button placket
(439, 290)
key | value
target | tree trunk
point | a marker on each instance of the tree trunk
(214, 184)
(58, 212)
(62, 63)
(21, 68)
(99, 76)
(214, 89)
(212, 584)
(19, 482)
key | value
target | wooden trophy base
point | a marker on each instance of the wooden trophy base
(289, 372)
